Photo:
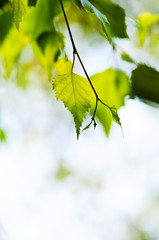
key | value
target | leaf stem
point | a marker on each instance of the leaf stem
(68, 27)
(75, 52)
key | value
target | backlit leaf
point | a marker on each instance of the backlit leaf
(112, 86)
(76, 94)
(63, 66)
(145, 83)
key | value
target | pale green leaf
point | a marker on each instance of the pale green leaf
(76, 94)
(112, 86)
(19, 10)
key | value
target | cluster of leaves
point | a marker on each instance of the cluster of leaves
(24, 22)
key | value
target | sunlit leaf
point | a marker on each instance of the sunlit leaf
(112, 86)
(19, 10)
(145, 83)
(76, 94)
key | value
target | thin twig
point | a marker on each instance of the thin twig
(75, 52)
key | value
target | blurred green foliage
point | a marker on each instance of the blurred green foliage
(62, 172)
(35, 23)
(112, 85)
(3, 137)
(145, 83)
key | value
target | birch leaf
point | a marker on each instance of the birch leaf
(76, 94)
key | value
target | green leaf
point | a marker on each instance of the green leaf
(63, 66)
(145, 83)
(47, 48)
(115, 15)
(112, 86)
(88, 7)
(40, 18)
(5, 17)
(19, 10)
(115, 115)
(76, 94)
(2, 135)
(111, 15)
